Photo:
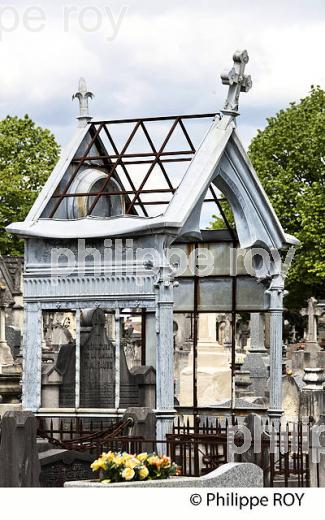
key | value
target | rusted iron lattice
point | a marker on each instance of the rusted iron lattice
(118, 160)
(198, 445)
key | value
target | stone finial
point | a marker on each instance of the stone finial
(237, 82)
(83, 95)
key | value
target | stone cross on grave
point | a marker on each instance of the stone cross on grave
(312, 312)
(237, 82)
(83, 96)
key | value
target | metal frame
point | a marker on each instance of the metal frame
(196, 313)
(156, 157)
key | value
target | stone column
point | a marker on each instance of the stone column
(164, 352)
(117, 357)
(77, 365)
(150, 338)
(275, 291)
(32, 357)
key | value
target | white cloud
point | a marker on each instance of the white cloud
(166, 58)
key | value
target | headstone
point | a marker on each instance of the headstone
(66, 368)
(144, 425)
(258, 453)
(5, 352)
(145, 380)
(60, 466)
(311, 399)
(51, 385)
(255, 359)
(97, 362)
(13, 337)
(19, 463)
(312, 312)
(243, 383)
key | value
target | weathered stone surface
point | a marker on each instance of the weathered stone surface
(10, 384)
(144, 424)
(260, 457)
(9, 408)
(97, 362)
(19, 464)
(60, 466)
(255, 364)
(13, 338)
(228, 475)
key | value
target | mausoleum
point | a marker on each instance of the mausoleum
(115, 245)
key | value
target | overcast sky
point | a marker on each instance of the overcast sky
(156, 57)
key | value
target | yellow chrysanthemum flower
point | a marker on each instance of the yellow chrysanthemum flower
(127, 456)
(132, 463)
(118, 460)
(128, 473)
(142, 456)
(98, 464)
(108, 456)
(143, 473)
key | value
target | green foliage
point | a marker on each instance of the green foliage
(217, 223)
(289, 158)
(28, 153)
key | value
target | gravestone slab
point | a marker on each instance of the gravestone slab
(97, 362)
(65, 366)
(19, 463)
(231, 475)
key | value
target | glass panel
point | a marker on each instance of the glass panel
(58, 360)
(251, 295)
(131, 340)
(215, 294)
(214, 359)
(215, 259)
(183, 358)
(130, 358)
(252, 356)
(184, 295)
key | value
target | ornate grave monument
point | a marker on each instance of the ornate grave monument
(102, 235)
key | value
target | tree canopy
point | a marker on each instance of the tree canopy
(28, 153)
(289, 158)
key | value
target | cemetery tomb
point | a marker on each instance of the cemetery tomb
(116, 243)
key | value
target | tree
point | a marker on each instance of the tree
(289, 158)
(28, 153)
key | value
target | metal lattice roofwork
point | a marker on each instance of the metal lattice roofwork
(145, 157)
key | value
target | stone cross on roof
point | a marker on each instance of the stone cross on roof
(83, 95)
(237, 82)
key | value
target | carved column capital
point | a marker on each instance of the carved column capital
(276, 292)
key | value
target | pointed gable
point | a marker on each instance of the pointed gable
(103, 189)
